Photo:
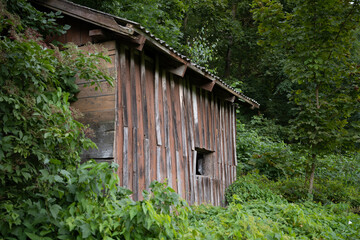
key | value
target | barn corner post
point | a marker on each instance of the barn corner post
(166, 117)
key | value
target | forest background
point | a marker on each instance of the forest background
(299, 166)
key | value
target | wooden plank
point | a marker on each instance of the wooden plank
(125, 158)
(212, 199)
(93, 104)
(86, 14)
(134, 124)
(123, 79)
(147, 163)
(208, 191)
(174, 112)
(135, 186)
(190, 138)
(157, 111)
(223, 136)
(184, 142)
(140, 124)
(213, 118)
(118, 123)
(221, 152)
(196, 117)
(200, 189)
(178, 129)
(103, 89)
(158, 163)
(134, 115)
(190, 114)
(178, 175)
(166, 129)
(194, 176)
(200, 118)
(204, 119)
(98, 116)
(173, 135)
(144, 93)
(208, 131)
(104, 138)
(150, 89)
(191, 195)
(226, 145)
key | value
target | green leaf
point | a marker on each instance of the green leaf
(54, 210)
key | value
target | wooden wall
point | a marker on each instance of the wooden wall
(163, 123)
(99, 109)
(154, 124)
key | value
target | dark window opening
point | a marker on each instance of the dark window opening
(204, 162)
(200, 168)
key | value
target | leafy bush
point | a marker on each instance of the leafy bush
(274, 159)
(274, 220)
(326, 192)
(251, 187)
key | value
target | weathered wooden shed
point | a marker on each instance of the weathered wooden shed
(166, 117)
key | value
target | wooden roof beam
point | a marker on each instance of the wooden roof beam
(208, 86)
(179, 71)
(86, 14)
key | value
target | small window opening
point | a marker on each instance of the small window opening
(204, 162)
(200, 168)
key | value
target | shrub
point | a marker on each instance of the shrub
(251, 187)
(275, 220)
(274, 159)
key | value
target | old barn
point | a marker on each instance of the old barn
(166, 117)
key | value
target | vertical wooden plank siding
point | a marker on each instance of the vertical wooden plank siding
(125, 174)
(166, 129)
(140, 127)
(134, 121)
(207, 112)
(200, 116)
(161, 122)
(196, 117)
(153, 123)
(176, 137)
(146, 143)
(118, 117)
(157, 112)
(184, 140)
(191, 146)
(195, 193)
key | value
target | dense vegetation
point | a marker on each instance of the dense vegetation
(299, 166)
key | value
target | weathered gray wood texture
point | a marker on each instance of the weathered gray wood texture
(154, 123)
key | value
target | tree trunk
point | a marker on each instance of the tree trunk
(312, 176)
(227, 71)
(228, 59)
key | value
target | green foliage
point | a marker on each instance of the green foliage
(45, 192)
(264, 153)
(250, 187)
(161, 215)
(162, 17)
(317, 38)
(273, 220)
(201, 52)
